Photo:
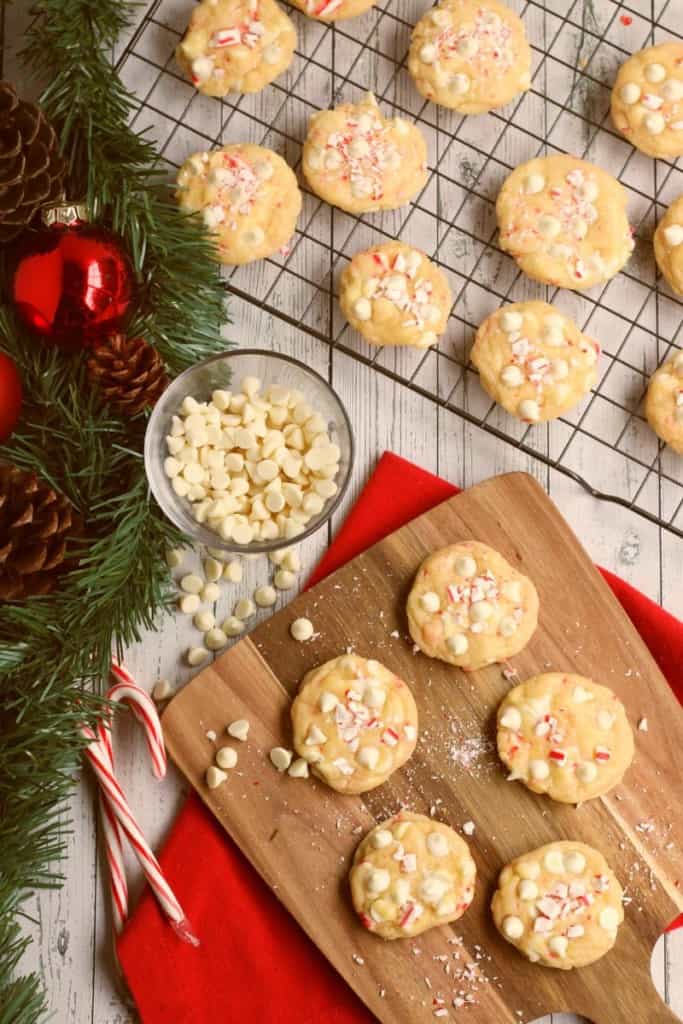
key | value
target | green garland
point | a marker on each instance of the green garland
(55, 651)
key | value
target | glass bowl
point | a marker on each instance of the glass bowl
(225, 371)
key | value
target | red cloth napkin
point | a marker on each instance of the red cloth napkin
(254, 962)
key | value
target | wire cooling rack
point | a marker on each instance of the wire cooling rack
(577, 45)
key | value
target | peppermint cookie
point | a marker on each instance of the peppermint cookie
(236, 45)
(647, 100)
(359, 160)
(333, 10)
(664, 402)
(394, 295)
(668, 242)
(355, 722)
(469, 607)
(564, 735)
(470, 56)
(534, 361)
(409, 874)
(560, 905)
(247, 196)
(564, 221)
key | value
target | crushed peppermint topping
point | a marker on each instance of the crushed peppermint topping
(488, 39)
(361, 152)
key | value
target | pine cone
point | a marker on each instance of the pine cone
(35, 522)
(31, 168)
(130, 373)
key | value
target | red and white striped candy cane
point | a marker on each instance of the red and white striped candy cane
(117, 817)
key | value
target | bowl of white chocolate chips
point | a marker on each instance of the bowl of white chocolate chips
(249, 450)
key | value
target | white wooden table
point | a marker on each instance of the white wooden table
(72, 946)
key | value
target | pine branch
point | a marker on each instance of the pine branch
(55, 651)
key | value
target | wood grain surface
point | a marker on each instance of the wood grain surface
(301, 835)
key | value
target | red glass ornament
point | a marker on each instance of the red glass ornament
(73, 281)
(10, 396)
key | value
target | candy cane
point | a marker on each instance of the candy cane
(117, 817)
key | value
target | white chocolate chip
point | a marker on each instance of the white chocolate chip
(265, 596)
(174, 557)
(529, 410)
(508, 626)
(481, 611)
(527, 889)
(215, 639)
(437, 844)
(226, 757)
(298, 769)
(465, 566)
(554, 862)
(529, 869)
(533, 184)
(539, 770)
(605, 719)
(511, 321)
(210, 592)
(362, 309)
(189, 603)
(239, 729)
(192, 584)
(511, 719)
(513, 927)
(382, 838)
(433, 889)
(673, 235)
(430, 601)
(232, 626)
(215, 777)
(629, 93)
(655, 72)
(575, 862)
(429, 53)
(575, 931)
(609, 919)
(457, 644)
(512, 590)
(654, 123)
(558, 944)
(460, 84)
(284, 579)
(368, 757)
(244, 608)
(213, 569)
(512, 376)
(378, 881)
(580, 695)
(549, 226)
(315, 736)
(587, 771)
(204, 620)
(281, 758)
(672, 90)
(301, 630)
(163, 690)
(196, 655)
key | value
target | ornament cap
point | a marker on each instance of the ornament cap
(64, 213)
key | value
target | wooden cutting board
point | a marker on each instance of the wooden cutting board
(300, 835)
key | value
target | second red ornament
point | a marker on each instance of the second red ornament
(74, 282)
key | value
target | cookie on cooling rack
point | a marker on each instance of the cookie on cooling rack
(564, 221)
(409, 874)
(647, 100)
(664, 402)
(564, 735)
(355, 722)
(333, 10)
(534, 361)
(469, 55)
(469, 607)
(359, 160)
(560, 905)
(248, 197)
(236, 45)
(394, 295)
(668, 243)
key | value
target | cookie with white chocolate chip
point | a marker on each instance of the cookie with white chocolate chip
(668, 243)
(333, 10)
(560, 905)
(247, 196)
(236, 45)
(564, 735)
(409, 874)
(564, 221)
(355, 722)
(470, 56)
(534, 361)
(647, 100)
(469, 607)
(394, 295)
(664, 402)
(359, 160)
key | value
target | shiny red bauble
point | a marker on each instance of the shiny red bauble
(73, 283)
(10, 396)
